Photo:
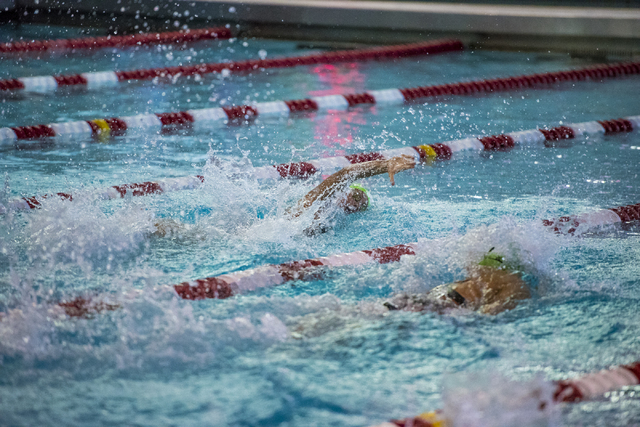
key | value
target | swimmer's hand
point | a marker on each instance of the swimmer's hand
(399, 164)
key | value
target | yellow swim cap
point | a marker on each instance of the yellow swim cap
(492, 260)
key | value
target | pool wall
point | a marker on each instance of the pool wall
(586, 30)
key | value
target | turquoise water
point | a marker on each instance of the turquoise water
(320, 352)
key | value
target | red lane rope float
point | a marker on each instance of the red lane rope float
(586, 387)
(306, 169)
(115, 41)
(98, 79)
(228, 285)
(208, 117)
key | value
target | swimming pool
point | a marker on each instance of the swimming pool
(161, 360)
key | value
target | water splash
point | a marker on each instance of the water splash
(489, 399)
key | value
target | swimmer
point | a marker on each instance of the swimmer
(338, 190)
(491, 288)
(357, 198)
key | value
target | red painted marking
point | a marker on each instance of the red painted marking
(390, 253)
(566, 391)
(363, 157)
(560, 225)
(557, 133)
(359, 98)
(298, 170)
(11, 84)
(240, 112)
(615, 126)
(302, 105)
(84, 307)
(179, 119)
(210, 287)
(117, 126)
(628, 213)
(34, 132)
(497, 142)
(443, 152)
(72, 80)
(295, 270)
(412, 422)
(32, 202)
(634, 368)
(139, 189)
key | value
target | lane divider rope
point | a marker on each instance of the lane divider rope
(108, 78)
(306, 169)
(209, 117)
(230, 284)
(586, 387)
(129, 40)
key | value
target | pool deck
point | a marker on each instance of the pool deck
(614, 30)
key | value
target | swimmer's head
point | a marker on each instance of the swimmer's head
(357, 199)
(492, 259)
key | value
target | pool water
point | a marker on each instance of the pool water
(322, 352)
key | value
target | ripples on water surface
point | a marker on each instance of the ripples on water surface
(160, 360)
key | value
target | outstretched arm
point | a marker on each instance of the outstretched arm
(340, 180)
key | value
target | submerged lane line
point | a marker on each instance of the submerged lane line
(244, 114)
(329, 165)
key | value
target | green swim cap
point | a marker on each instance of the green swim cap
(364, 190)
(492, 260)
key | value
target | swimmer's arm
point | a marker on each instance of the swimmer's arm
(340, 180)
